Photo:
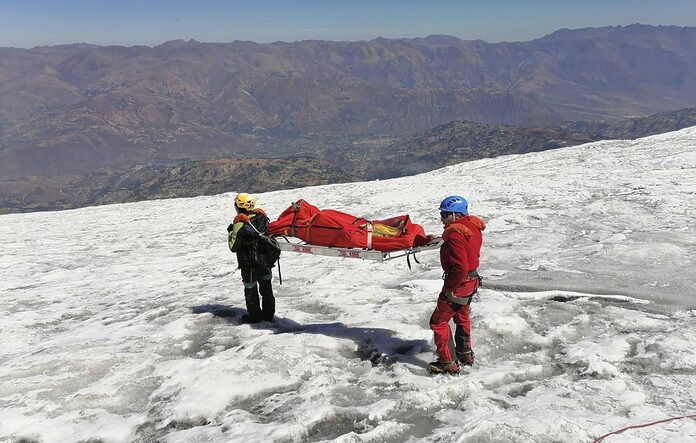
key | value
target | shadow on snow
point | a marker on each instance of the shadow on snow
(378, 345)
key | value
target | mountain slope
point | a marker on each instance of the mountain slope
(321, 159)
(311, 160)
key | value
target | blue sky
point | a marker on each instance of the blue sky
(28, 23)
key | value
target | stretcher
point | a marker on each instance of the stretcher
(291, 244)
(306, 229)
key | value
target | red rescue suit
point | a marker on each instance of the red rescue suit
(459, 257)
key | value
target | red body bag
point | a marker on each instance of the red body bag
(337, 229)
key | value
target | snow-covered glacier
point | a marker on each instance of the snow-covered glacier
(122, 322)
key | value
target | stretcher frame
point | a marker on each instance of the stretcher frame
(302, 247)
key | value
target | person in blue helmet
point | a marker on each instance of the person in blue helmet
(459, 257)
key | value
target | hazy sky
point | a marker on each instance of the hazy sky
(28, 23)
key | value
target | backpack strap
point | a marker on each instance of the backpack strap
(280, 276)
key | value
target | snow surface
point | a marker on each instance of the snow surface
(122, 322)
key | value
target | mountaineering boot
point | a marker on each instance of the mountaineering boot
(441, 367)
(267, 300)
(251, 297)
(466, 357)
(462, 342)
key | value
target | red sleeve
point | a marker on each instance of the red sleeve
(459, 263)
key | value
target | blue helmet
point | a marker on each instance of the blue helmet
(455, 203)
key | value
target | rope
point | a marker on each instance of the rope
(645, 425)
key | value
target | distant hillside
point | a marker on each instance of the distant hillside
(319, 160)
(458, 142)
(69, 110)
(153, 182)
(638, 127)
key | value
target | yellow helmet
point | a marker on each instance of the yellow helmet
(244, 201)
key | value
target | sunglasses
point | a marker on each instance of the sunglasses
(444, 214)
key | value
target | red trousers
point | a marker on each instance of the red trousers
(439, 323)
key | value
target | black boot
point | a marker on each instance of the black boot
(251, 297)
(464, 353)
(267, 299)
(466, 357)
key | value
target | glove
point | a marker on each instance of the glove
(241, 218)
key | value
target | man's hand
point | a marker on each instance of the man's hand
(448, 293)
(241, 218)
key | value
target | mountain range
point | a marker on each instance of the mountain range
(80, 107)
(79, 120)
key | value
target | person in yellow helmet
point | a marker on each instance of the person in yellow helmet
(245, 239)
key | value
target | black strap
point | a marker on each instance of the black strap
(408, 259)
(468, 299)
(264, 237)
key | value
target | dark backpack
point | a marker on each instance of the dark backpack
(265, 251)
(270, 249)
